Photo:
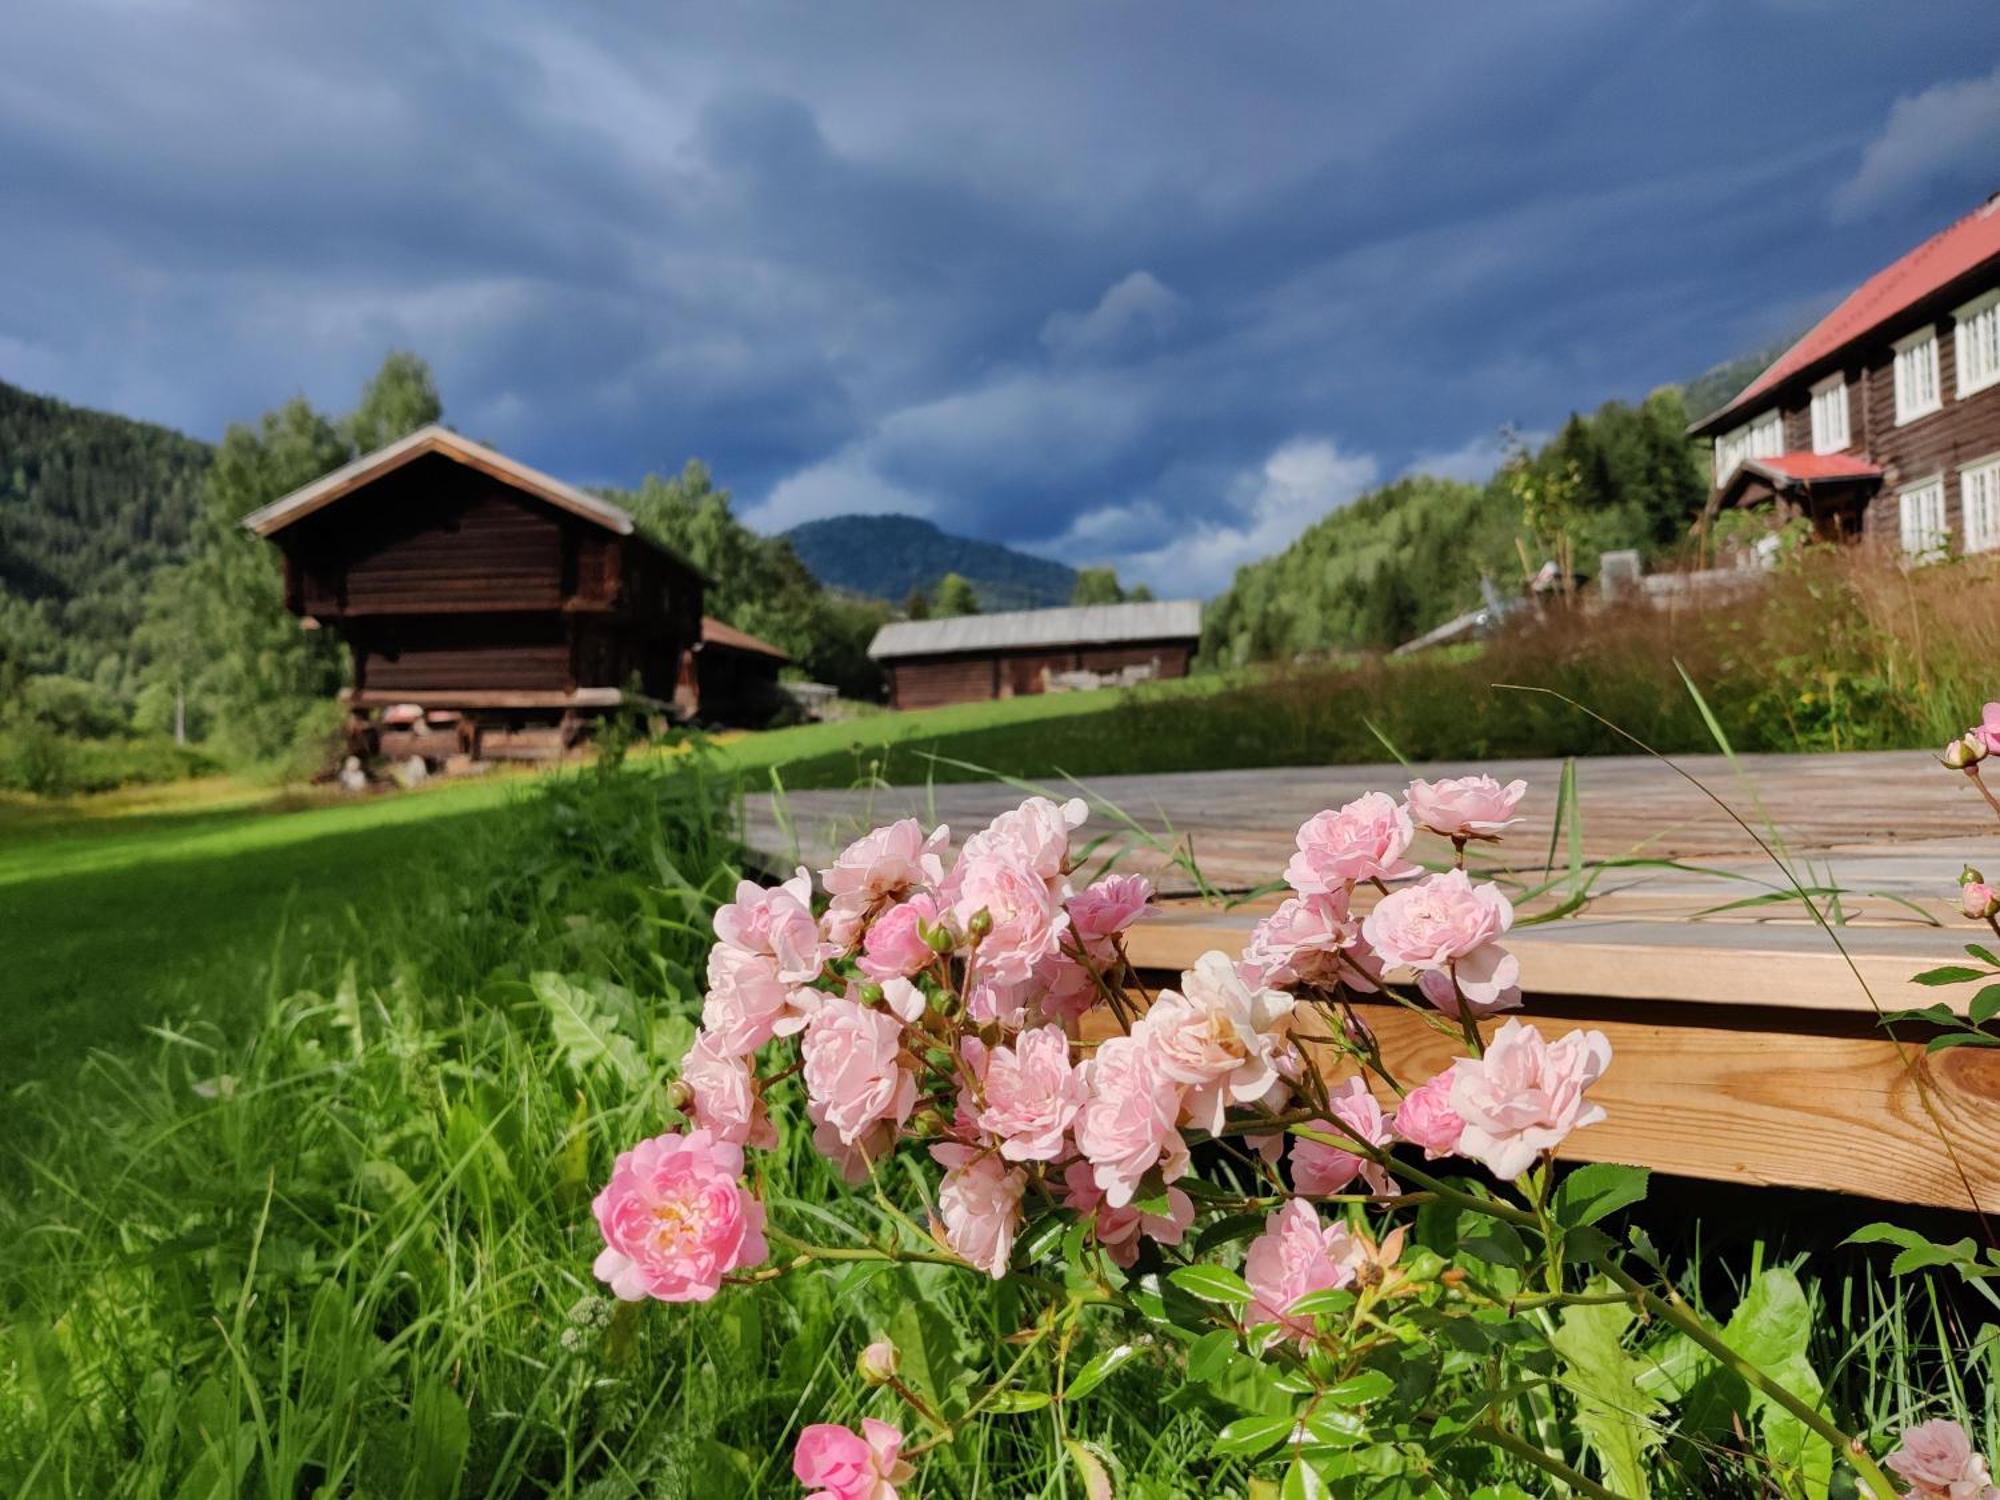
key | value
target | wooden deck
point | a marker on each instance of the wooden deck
(1749, 1044)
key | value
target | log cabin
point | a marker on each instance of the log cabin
(971, 657)
(1883, 421)
(480, 599)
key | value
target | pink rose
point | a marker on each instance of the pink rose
(847, 1467)
(1295, 1254)
(878, 867)
(1036, 834)
(1465, 807)
(894, 947)
(1524, 1096)
(1365, 840)
(1425, 1117)
(1311, 940)
(1447, 927)
(1119, 1229)
(1126, 1126)
(1987, 730)
(724, 1097)
(1937, 1460)
(980, 1201)
(853, 1068)
(1063, 990)
(675, 1219)
(1978, 900)
(1027, 914)
(1102, 911)
(1218, 1037)
(850, 1158)
(1319, 1169)
(1032, 1095)
(747, 1003)
(777, 922)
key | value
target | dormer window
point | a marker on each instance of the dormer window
(1829, 415)
(1762, 438)
(1917, 392)
(1978, 343)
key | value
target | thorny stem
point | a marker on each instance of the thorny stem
(1548, 1463)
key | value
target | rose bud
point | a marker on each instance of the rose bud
(1968, 876)
(877, 1363)
(1978, 900)
(1964, 753)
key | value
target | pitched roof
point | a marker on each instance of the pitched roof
(1081, 625)
(364, 470)
(715, 633)
(1932, 266)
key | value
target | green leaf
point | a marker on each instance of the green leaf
(1937, 1013)
(1248, 1435)
(1613, 1412)
(1772, 1328)
(1358, 1390)
(440, 1436)
(1949, 974)
(1335, 1429)
(1498, 1245)
(1227, 1231)
(1212, 1284)
(1007, 1403)
(1325, 1300)
(929, 1345)
(1302, 1482)
(1592, 1192)
(1092, 1375)
(584, 1031)
(1089, 1469)
(1985, 1005)
(1210, 1354)
(1962, 1039)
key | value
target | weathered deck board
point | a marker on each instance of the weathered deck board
(1748, 1045)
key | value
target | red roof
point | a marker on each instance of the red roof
(715, 633)
(1932, 266)
(1811, 466)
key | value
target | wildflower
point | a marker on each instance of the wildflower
(1295, 1255)
(1364, 840)
(1448, 929)
(1319, 1169)
(1126, 1127)
(1219, 1037)
(676, 1220)
(1425, 1117)
(1937, 1460)
(980, 1202)
(853, 1068)
(1525, 1096)
(1465, 807)
(845, 1466)
(1032, 1095)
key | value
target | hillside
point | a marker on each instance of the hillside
(887, 557)
(90, 505)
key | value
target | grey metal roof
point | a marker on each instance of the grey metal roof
(1084, 625)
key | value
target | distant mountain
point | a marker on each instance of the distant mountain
(1716, 388)
(888, 556)
(90, 505)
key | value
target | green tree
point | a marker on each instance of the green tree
(917, 606)
(955, 596)
(1138, 594)
(401, 398)
(1097, 586)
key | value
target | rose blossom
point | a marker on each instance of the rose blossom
(884, 863)
(1295, 1255)
(1218, 1036)
(1365, 840)
(1026, 913)
(777, 922)
(1311, 940)
(847, 1467)
(675, 1220)
(852, 1068)
(1319, 1169)
(1062, 990)
(1101, 911)
(850, 1158)
(1119, 1229)
(980, 1201)
(894, 947)
(1425, 1117)
(1032, 1095)
(1465, 807)
(1447, 927)
(1036, 833)
(1938, 1461)
(1987, 730)
(1978, 900)
(1524, 1096)
(725, 1100)
(747, 1003)
(1126, 1125)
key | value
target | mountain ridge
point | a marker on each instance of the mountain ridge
(891, 556)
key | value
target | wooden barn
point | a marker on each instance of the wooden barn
(733, 678)
(971, 657)
(482, 601)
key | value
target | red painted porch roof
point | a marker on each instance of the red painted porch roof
(1933, 265)
(1811, 466)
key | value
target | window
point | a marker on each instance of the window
(1829, 415)
(1917, 376)
(1763, 438)
(1979, 502)
(1979, 343)
(1922, 518)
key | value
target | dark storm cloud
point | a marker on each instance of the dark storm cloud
(1156, 285)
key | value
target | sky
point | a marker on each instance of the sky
(1150, 284)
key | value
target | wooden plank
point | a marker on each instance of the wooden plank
(590, 697)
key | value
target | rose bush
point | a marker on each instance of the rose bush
(1386, 1273)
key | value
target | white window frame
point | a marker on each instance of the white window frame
(1917, 354)
(1763, 436)
(1979, 503)
(1924, 537)
(1976, 343)
(1830, 431)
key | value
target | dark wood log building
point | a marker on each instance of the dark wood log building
(1883, 422)
(500, 602)
(733, 678)
(971, 657)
